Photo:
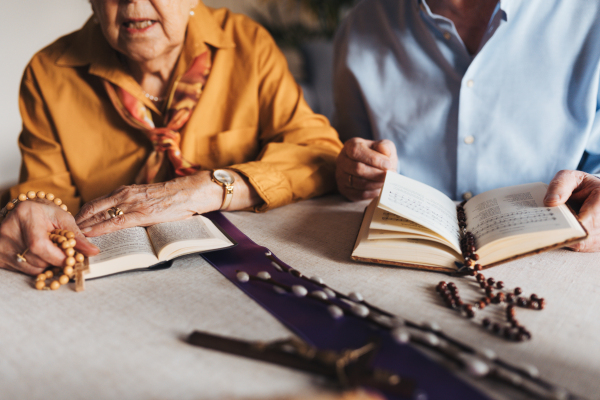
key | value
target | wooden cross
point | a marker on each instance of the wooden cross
(80, 269)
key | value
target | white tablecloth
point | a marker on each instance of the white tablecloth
(122, 337)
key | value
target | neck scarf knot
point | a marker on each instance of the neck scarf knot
(166, 160)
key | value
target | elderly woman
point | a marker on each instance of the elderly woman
(134, 113)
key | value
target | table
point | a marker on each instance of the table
(123, 337)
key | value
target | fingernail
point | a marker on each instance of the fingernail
(86, 230)
(552, 198)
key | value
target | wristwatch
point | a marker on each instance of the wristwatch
(225, 179)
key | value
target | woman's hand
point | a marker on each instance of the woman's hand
(27, 227)
(146, 205)
(583, 190)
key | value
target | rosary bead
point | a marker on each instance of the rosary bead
(489, 290)
(22, 197)
(39, 285)
(54, 285)
(70, 235)
(533, 296)
(79, 257)
(474, 256)
(486, 322)
(481, 305)
(470, 313)
(40, 277)
(491, 281)
(472, 272)
(49, 196)
(451, 285)
(487, 300)
(70, 261)
(518, 291)
(10, 206)
(480, 277)
(63, 280)
(522, 302)
(510, 298)
(70, 252)
(514, 323)
(478, 267)
(495, 300)
(57, 201)
(72, 242)
(65, 245)
(60, 239)
(41, 194)
(496, 327)
(500, 285)
(69, 271)
(459, 302)
(63, 207)
(483, 284)
(49, 274)
(31, 195)
(534, 305)
(500, 297)
(542, 304)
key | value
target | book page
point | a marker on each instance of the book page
(422, 204)
(512, 211)
(166, 233)
(121, 243)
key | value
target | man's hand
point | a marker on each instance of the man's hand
(361, 167)
(584, 191)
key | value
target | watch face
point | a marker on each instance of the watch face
(224, 177)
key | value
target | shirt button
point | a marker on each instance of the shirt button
(467, 195)
(470, 83)
(447, 35)
(469, 140)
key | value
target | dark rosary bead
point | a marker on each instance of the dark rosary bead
(522, 302)
(459, 302)
(500, 297)
(451, 285)
(481, 305)
(534, 297)
(542, 304)
(518, 291)
(534, 305)
(489, 290)
(468, 262)
(514, 323)
(495, 300)
(507, 332)
(478, 266)
(483, 284)
(442, 285)
(510, 298)
(486, 322)
(487, 300)
(468, 307)
(480, 277)
(500, 285)
(475, 256)
(520, 337)
(496, 327)
(491, 281)
(470, 314)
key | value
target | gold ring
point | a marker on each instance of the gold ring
(115, 211)
(21, 257)
(350, 180)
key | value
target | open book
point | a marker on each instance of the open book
(141, 248)
(414, 225)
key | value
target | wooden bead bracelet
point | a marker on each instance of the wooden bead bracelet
(74, 264)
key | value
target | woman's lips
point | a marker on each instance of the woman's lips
(141, 25)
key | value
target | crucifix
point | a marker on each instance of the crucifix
(80, 269)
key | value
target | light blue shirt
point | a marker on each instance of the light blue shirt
(522, 108)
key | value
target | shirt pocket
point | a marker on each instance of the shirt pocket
(235, 146)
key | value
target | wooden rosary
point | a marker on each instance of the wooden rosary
(512, 329)
(74, 264)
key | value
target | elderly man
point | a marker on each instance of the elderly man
(471, 95)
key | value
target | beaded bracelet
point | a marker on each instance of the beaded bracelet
(65, 240)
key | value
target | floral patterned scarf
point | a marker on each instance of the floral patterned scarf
(166, 140)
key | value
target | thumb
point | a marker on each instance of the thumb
(385, 147)
(562, 186)
(66, 221)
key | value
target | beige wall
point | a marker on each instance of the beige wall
(25, 27)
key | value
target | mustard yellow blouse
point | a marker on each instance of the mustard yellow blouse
(251, 117)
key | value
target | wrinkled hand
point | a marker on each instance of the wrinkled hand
(584, 191)
(146, 205)
(27, 226)
(361, 167)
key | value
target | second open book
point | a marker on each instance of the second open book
(414, 225)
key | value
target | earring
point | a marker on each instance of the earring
(192, 13)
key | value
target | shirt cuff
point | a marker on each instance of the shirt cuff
(270, 184)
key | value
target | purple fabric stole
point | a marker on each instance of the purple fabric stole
(311, 321)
